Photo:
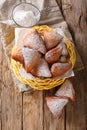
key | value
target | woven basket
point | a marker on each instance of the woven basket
(46, 83)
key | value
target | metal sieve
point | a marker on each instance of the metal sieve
(36, 13)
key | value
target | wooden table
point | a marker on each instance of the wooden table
(28, 111)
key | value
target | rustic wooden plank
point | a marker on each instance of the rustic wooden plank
(0, 80)
(76, 112)
(33, 110)
(11, 101)
(76, 17)
(51, 123)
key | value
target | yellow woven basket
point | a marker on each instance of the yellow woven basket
(46, 83)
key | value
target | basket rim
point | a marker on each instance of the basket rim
(16, 66)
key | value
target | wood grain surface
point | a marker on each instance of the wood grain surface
(33, 110)
(11, 99)
(76, 18)
(0, 81)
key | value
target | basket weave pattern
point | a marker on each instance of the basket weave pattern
(46, 83)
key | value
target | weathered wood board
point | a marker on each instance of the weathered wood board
(0, 81)
(11, 99)
(76, 17)
(33, 110)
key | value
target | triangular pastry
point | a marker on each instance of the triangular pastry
(17, 54)
(34, 40)
(42, 69)
(66, 90)
(53, 55)
(31, 58)
(59, 69)
(52, 38)
(56, 105)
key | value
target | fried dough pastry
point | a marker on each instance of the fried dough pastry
(62, 59)
(56, 105)
(59, 69)
(64, 49)
(17, 54)
(52, 38)
(31, 58)
(42, 69)
(53, 55)
(66, 90)
(34, 40)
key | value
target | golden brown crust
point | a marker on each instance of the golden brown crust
(53, 55)
(59, 69)
(17, 55)
(31, 58)
(51, 38)
(42, 69)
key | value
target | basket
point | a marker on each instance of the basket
(46, 83)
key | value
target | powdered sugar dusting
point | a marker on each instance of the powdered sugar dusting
(35, 41)
(24, 74)
(42, 69)
(28, 54)
(31, 58)
(66, 90)
(56, 105)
